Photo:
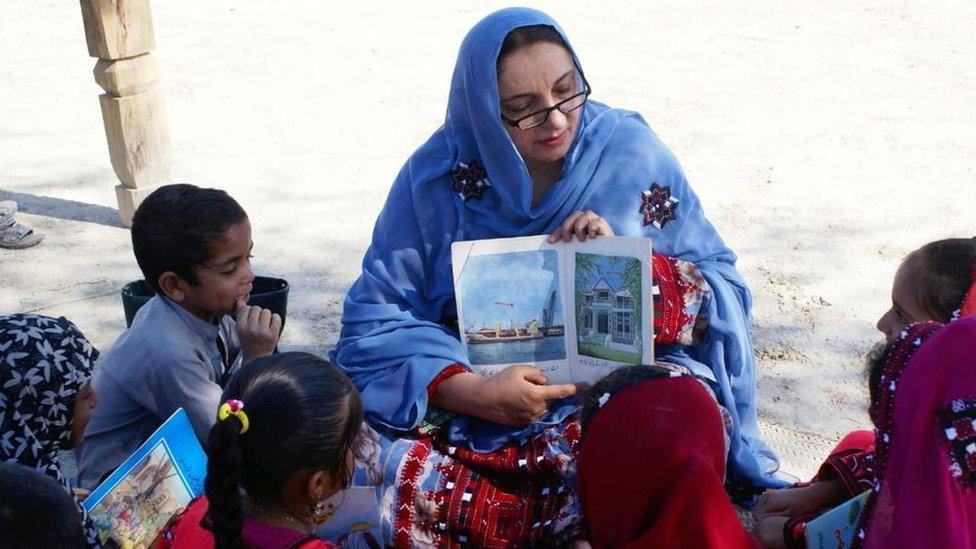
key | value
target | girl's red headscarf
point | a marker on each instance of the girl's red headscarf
(651, 470)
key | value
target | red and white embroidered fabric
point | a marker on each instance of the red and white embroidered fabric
(680, 291)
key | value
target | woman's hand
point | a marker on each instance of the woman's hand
(519, 394)
(584, 224)
(516, 396)
(792, 502)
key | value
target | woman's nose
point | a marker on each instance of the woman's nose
(557, 120)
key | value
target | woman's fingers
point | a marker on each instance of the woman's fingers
(565, 231)
(582, 224)
(557, 392)
(534, 375)
(599, 227)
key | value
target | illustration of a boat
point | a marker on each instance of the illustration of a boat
(531, 330)
(502, 335)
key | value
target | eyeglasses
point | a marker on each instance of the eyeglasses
(540, 117)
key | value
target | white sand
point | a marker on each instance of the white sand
(826, 140)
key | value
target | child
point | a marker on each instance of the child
(45, 402)
(673, 493)
(193, 246)
(283, 445)
(36, 511)
(929, 286)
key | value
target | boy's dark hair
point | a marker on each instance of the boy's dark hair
(303, 413)
(944, 275)
(175, 226)
(527, 36)
(37, 511)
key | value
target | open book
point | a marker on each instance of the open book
(158, 480)
(574, 310)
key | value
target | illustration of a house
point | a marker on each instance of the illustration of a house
(608, 314)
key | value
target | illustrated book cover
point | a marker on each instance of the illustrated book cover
(158, 480)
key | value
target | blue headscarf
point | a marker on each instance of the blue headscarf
(393, 341)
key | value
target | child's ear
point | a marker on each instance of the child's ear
(172, 286)
(321, 485)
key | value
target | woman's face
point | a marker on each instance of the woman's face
(85, 401)
(905, 308)
(532, 78)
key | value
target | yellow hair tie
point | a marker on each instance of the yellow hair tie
(234, 407)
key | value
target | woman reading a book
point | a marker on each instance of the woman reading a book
(524, 151)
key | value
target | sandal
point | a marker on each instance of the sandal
(18, 236)
(7, 210)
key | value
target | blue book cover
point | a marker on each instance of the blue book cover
(835, 528)
(157, 481)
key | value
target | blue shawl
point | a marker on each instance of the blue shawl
(393, 342)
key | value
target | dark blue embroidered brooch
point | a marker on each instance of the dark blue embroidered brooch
(658, 206)
(958, 424)
(470, 180)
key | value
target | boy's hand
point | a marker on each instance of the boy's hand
(584, 224)
(257, 329)
(519, 394)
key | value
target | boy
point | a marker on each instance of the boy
(193, 246)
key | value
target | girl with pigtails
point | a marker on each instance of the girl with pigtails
(282, 446)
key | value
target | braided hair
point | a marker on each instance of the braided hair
(303, 413)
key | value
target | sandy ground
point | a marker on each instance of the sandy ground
(826, 140)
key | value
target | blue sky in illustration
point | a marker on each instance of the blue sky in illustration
(524, 279)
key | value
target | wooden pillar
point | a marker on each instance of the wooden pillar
(120, 34)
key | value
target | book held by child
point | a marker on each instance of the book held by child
(835, 528)
(158, 480)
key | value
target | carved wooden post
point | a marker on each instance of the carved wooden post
(120, 34)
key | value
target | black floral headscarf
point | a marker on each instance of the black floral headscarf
(44, 363)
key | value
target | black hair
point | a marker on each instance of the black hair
(943, 276)
(874, 367)
(614, 382)
(37, 511)
(303, 413)
(527, 36)
(176, 225)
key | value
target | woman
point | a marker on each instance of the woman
(523, 152)
(45, 395)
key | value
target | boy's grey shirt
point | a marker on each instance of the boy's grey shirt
(168, 359)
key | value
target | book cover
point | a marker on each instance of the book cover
(159, 479)
(835, 528)
(575, 310)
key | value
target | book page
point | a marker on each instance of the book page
(157, 481)
(509, 305)
(611, 305)
(835, 528)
